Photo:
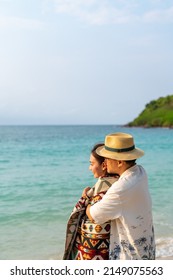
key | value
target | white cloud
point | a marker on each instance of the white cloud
(20, 23)
(91, 11)
(98, 12)
(116, 12)
(159, 15)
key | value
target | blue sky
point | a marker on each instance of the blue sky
(83, 62)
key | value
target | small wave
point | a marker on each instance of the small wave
(164, 247)
(56, 257)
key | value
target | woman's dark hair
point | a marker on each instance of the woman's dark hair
(93, 152)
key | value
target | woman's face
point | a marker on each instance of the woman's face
(97, 168)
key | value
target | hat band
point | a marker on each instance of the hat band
(120, 150)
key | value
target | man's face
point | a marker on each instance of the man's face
(112, 166)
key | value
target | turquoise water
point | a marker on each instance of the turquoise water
(43, 170)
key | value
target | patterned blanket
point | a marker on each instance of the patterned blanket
(86, 240)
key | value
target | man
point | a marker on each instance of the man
(127, 203)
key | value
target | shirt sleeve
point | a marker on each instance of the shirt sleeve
(109, 208)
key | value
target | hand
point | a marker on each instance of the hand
(84, 194)
(88, 213)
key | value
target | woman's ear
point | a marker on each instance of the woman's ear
(104, 165)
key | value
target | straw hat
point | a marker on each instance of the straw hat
(119, 146)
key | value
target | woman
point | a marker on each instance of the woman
(86, 240)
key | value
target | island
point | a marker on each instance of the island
(157, 113)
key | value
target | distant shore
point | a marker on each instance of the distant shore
(146, 126)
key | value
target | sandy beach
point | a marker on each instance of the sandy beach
(165, 258)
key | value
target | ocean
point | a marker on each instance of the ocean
(43, 171)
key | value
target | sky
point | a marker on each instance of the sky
(83, 62)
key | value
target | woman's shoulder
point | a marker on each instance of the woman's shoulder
(110, 179)
(107, 180)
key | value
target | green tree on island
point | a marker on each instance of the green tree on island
(157, 113)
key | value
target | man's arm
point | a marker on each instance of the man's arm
(108, 208)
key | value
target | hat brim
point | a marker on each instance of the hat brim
(130, 155)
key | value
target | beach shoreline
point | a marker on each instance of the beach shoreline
(165, 258)
(162, 258)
